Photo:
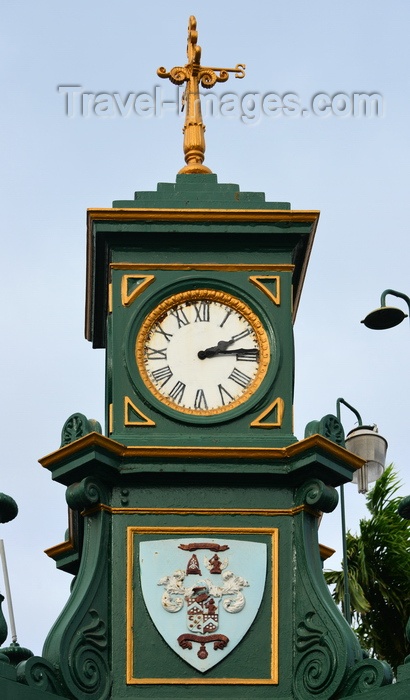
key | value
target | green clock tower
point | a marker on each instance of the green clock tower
(193, 533)
(194, 306)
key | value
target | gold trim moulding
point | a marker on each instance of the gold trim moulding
(111, 418)
(264, 512)
(271, 454)
(59, 549)
(242, 215)
(201, 681)
(219, 267)
(326, 552)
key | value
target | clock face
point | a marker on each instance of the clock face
(202, 352)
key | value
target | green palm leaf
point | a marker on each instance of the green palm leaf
(379, 574)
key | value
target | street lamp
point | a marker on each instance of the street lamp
(381, 319)
(370, 446)
(366, 442)
(386, 316)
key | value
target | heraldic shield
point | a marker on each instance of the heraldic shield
(202, 594)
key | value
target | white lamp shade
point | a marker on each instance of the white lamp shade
(366, 442)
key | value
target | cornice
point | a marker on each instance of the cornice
(313, 443)
(168, 214)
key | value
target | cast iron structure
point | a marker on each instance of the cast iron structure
(222, 484)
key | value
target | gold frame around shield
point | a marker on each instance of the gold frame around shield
(217, 296)
(273, 534)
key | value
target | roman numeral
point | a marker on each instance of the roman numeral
(200, 400)
(158, 329)
(180, 317)
(154, 354)
(239, 377)
(162, 374)
(224, 393)
(177, 392)
(248, 356)
(239, 336)
(202, 311)
(226, 318)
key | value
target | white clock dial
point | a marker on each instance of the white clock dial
(202, 352)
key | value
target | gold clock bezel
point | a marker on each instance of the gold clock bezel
(191, 296)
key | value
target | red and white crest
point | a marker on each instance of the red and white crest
(202, 611)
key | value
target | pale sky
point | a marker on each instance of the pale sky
(353, 168)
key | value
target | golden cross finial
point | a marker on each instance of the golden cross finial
(194, 75)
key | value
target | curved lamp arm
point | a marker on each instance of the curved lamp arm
(357, 414)
(346, 606)
(395, 294)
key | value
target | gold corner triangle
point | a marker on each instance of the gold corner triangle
(278, 407)
(259, 281)
(142, 282)
(129, 406)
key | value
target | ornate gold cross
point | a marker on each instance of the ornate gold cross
(194, 75)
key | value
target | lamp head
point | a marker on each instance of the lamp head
(366, 442)
(384, 317)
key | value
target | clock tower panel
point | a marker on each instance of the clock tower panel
(193, 291)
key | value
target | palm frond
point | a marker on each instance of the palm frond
(379, 574)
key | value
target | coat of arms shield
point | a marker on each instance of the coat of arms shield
(202, 594)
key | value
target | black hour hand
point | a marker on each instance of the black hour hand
(252, 352)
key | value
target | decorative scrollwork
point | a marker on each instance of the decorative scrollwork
(177, 75)
(208, 78)
(332, 429)
(87, 493)
(317, 666)
(316, 493)
(240, 70)
(328, 426)
(89, 667)
(38, 673)
(367, 675)
(77, 426)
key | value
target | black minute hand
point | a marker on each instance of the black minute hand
(240, 351)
